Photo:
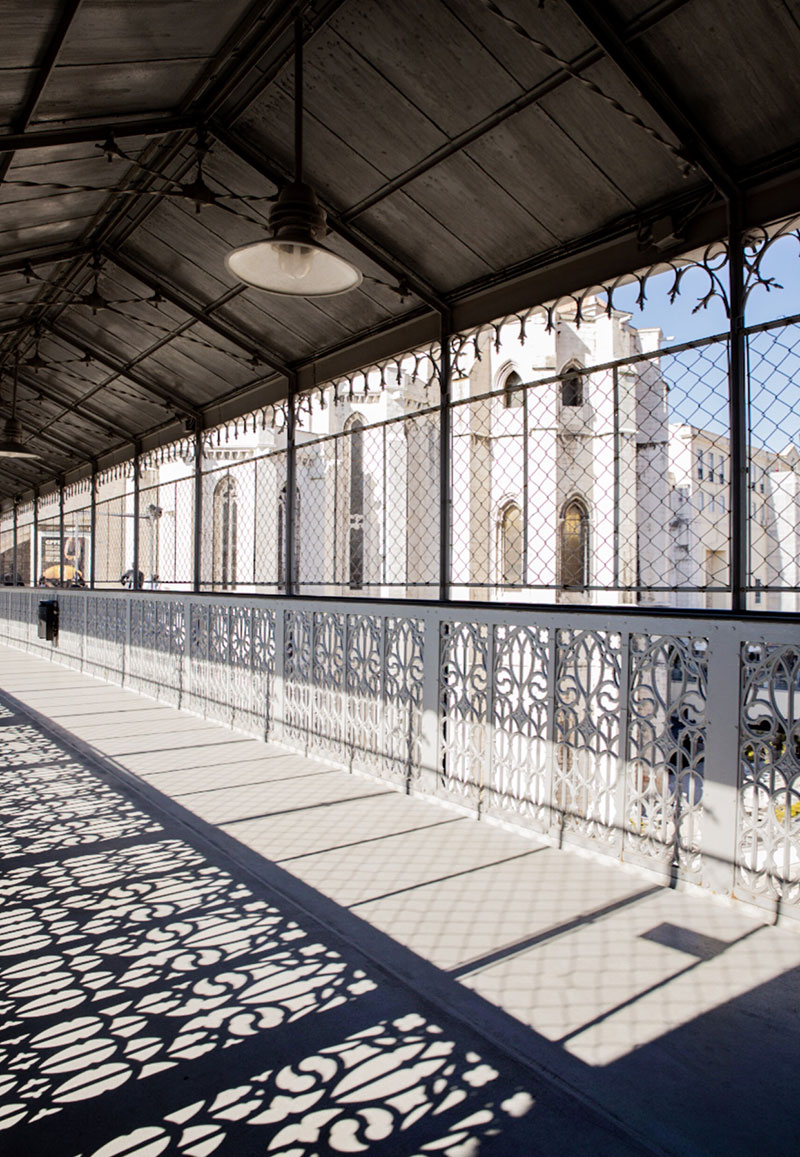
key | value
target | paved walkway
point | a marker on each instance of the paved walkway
(383, 975)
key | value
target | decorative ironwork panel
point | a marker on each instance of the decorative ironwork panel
(463, 697)
(211, 672)
(71, 629)
(327, 721)
(155, 659)
(518, 782)
(252, 657)
(297, 676)
(768, 859)
(363, 683)
(106, 627)
(587, 733)
(666, 749)
(404, 653)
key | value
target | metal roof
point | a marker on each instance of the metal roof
(473, 157)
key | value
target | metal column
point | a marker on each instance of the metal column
(93, 526)
(197, 577)
(289, 512)
(738, 410)
(35, 543)
(136, 467)
(61, 531)
(14, 571)
(445, 455)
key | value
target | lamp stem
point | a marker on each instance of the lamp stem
(298, 100)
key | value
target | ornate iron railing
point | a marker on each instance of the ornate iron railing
(667, 741)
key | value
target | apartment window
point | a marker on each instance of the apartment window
(758, 591)
(721, 501)
(511, 546)
(513, 398)
(710, 467)
(575, 546)
(700, 502)
(720, 469)
(700, 466)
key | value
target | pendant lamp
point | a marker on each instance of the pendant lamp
(294, 262)
(11, 444)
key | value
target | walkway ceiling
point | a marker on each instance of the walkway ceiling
(474, 157)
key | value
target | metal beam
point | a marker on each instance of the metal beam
(50, 256)
(697, 147)
(88, 413)
(43, 74)
(126, 370)
(524, 100)
(59, 444)
(150, 126)
(202, 314)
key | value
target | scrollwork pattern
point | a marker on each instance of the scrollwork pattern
(463, 698)
(768, 853)
(666, 749)
(587, 731)
(519, 733)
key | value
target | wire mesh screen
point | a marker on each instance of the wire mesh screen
(166, 534)
(367, 508)
(7, 551)
(367, 482)
(773, 461)
(77, 551)
(244, 524)
(600, 483)
(113, 553)
(50, 551)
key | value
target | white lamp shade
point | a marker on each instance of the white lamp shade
(293, 268)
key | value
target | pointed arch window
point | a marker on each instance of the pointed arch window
(511, 546)
(572, 387)
(513, 397)
(575, 545)
(224, 522)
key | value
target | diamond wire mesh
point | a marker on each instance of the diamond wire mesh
(367, 508)
(589, 483)
(243, 524)
(113, 555)
(773, 459)
(166, 534)
(367, 497)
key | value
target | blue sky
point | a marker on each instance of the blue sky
(698, 393)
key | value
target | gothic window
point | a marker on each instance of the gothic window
(575, 546)
(225, 509)
(513, 398)
(572, 387)
(355, 554)
(511, 546)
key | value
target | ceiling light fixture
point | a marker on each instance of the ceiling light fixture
(293, 261)
(11, 444)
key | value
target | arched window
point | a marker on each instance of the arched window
(355, 470)
(511, 546)
(513, 398)
(572, 387)
(575, 546)
(224, 568)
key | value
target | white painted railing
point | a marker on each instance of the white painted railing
(670, 742)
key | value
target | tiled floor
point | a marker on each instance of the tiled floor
(678, 1016)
